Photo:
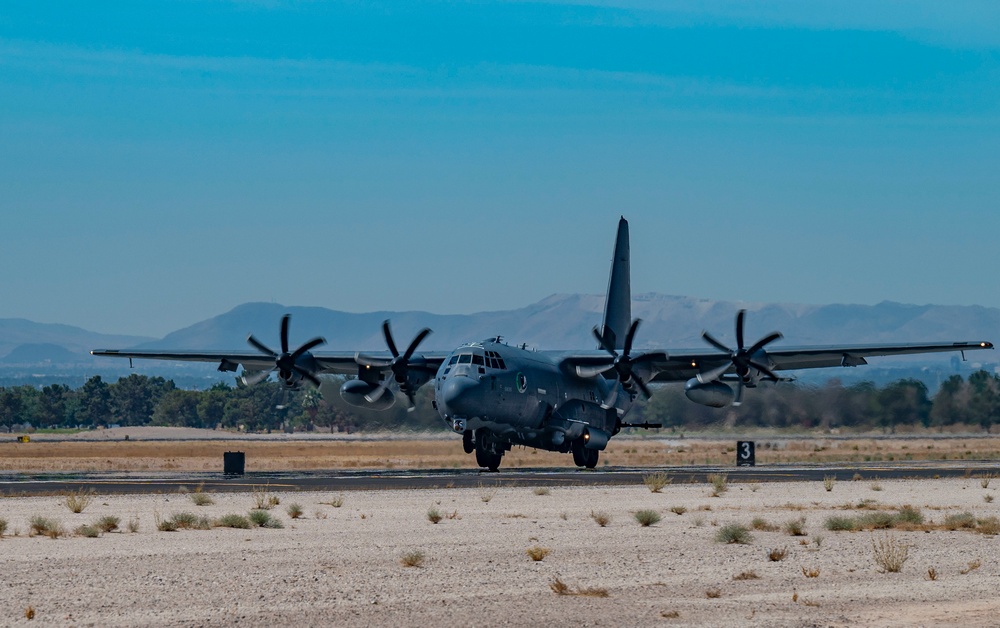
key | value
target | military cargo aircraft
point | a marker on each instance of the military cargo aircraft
(496, 395)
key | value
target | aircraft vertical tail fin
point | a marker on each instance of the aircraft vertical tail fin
(618, 305)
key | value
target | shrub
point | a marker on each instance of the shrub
(78, 502)
(828, 481)
(719, 482)
(989, 525)
(433, 515)
(733, 533)
(41, 525)
(538, 553)
(678, 510)
(133, 524)
(841, 524)
(810, 573)
(263, 499)
(263, 519)
(777, 554)
(796, 527)
(166, 525)
(973, 565)
(713, 593)
(964, 520)
(90, 532)
(233, 521)
(601, 518)
(107, 523)
(877, 520)
(542, 490)
(656, 481)
(295, 511)
(746, 575)
(889, 553)
(3, 527)
(647, 518)
(910, 515)
(190, 521)
(202, 499)
(762, 525)
(337, 501)
(413, 558)
(984, 480)
(559, 587)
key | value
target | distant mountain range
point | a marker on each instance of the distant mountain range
(557, 322)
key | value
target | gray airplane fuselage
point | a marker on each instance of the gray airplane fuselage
(522, 396)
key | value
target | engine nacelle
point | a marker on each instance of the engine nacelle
(595, 439)
(714, 394)
(354, 391)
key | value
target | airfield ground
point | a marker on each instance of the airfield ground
(189, 450)
(342, 565)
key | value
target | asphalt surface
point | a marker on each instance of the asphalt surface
(121, 483)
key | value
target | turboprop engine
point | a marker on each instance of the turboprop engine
(714, 393)
(357, 392)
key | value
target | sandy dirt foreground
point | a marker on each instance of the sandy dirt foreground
(342, 565)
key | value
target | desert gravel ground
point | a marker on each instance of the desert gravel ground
(342, 565)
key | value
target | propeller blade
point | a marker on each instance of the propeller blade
(740, 319)
(387, 334)
(256, 378)
(366, 360)
(416, 341)
(376, 394)
(738, 399)
(602, 344)
(284, 400)
(307, 374)
(260, 346)
(610, 402)
(284, 332)
(586, 372)
(763, 342)
(764, 370)
(315, 342)
(630, 336)
(642, 386)
(710, 339)
(714, 374)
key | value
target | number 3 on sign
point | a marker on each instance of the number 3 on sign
(745, 453)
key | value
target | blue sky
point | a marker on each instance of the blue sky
(162, 162)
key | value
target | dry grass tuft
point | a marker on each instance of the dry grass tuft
(932, 573)
(263, 499)
(601, 518)
(762, 525)
(746, 575)
(295, 511)
(3, 527)
(647, 518)
(336, 502)
(777, 554)
(77, 502)
(984, 480)
(201, 499)
(434, 515)
(678, 510)
(561, 588)
(414, 558)
(890, 555)
(656, 481)
(29, 613)
(670, 614)
(487, 493)
(542, 490)
(828, 482)
(107, 523)
(238, 522)
(810, 573)
(973, 565)
(713, 593)
(719, 482)
(46, 527)
(538, 553)
(734, 533)
(796, 527)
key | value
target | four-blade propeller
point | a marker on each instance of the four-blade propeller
(399, 364)
(743, 358)
(285, 363)
(622, 364)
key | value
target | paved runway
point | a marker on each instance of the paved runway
(108, 484)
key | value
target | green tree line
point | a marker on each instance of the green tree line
(142, 400)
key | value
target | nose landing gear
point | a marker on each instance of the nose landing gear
(489, 452)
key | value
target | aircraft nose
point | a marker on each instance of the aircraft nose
(458, 396)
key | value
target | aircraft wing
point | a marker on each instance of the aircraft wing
(682, 365)
(340, 362)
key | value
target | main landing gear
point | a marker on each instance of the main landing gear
(488, 451)
(584, 457)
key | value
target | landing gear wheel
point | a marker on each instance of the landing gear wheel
(486, 451)
(579, 454)
(592, 456)
(467, 443)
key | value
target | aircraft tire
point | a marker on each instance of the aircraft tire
(579, 454)
(592, 457)
(467, 444)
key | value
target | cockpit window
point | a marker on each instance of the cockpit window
(494, 361)
(477, 359)
(465, 358)
(453, 360)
